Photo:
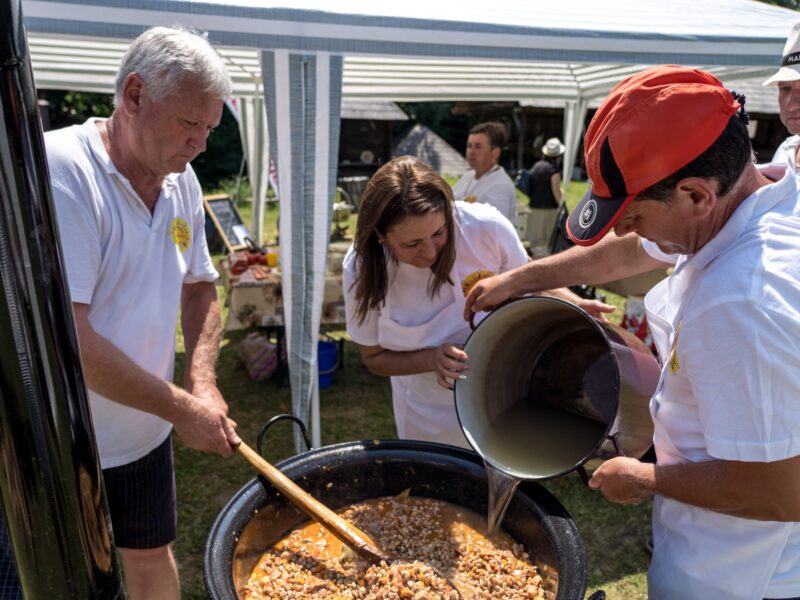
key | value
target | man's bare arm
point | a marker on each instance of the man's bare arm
(111, 373)
(611, 258)
(768, 491)
(202, 334)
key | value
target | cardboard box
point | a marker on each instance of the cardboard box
(250, 303)
(333, 292)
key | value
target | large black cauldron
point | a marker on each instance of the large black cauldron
(258, 515)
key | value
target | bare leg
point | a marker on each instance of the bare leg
(150, 574)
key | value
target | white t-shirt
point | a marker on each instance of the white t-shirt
(727, 327)
(494, 187)
(129, 267)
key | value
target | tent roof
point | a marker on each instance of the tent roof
(512, 50)
(759, 98)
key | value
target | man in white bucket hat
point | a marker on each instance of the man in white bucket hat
(545, 195)
(787, 80)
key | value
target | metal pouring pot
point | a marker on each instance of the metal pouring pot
(549, 387)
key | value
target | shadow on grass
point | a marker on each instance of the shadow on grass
(358, 406)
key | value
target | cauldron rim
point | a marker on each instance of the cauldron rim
(552, 516)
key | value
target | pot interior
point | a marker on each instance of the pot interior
(258, 516)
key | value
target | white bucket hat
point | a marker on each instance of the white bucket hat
(553, 147)
(790, 63)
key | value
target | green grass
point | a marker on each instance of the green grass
(358, 406)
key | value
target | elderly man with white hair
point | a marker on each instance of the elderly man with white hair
(787, 80)
(131, 223)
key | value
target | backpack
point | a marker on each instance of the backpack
(523, 182)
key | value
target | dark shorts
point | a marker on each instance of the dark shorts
(9, 582)
(141, 500)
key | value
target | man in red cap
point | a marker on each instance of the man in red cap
(672, 174)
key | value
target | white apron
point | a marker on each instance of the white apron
(698, 554)
(424, 410)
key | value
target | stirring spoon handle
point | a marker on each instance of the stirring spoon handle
(345, 531)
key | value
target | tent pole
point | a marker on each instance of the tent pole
(316, 432)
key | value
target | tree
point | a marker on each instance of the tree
(439, 117)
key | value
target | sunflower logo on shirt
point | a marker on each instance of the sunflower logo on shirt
(674, 365)
(473, 278)
(180, 233)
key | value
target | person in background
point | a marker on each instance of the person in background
(544, 185)
(487, 181)
(416, 255)
(131, 223)
(670, 161)
(787, 80)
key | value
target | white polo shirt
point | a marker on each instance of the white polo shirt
(129, 266)
(494, 187)
(727, 327)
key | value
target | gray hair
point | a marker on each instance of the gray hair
(167, 58)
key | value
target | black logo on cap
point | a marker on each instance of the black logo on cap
(588, 214)
(791, 59)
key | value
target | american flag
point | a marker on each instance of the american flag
(273, 177)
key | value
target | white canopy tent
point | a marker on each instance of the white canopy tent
(308, 56)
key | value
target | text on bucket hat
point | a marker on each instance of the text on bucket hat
(790, 61)
(553, 147)
(649, 126)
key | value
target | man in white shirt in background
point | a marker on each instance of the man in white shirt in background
(787, 80)
(487, 181)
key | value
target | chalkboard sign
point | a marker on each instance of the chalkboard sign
(227, 221)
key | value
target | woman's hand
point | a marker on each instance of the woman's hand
(449, 363)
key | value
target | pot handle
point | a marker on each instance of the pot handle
(275, 419)
(598, 595)
(491, 310)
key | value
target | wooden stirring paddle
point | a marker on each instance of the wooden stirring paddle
(343, 529)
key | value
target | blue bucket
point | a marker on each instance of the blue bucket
(327, 362)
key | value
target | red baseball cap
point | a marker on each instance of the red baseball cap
(649, 126)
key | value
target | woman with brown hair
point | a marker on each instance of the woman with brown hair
(415, 257)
